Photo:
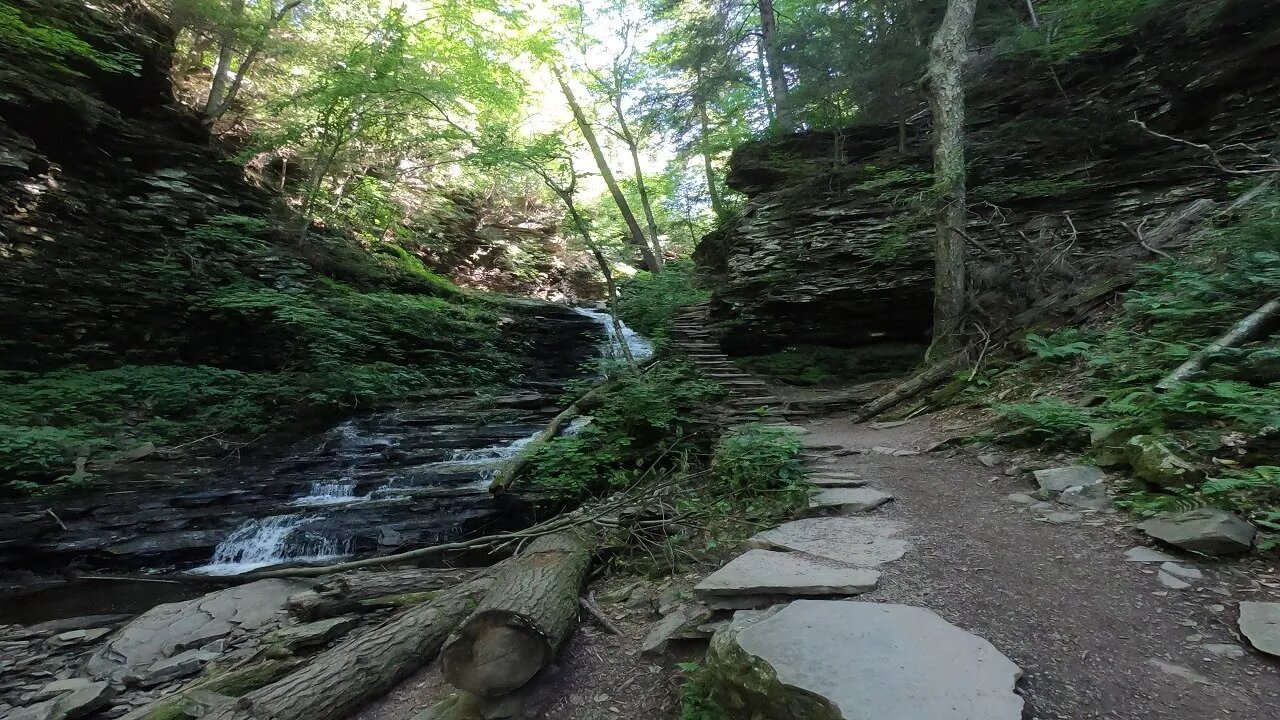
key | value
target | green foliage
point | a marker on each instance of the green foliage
(696, 698)
(58, 47)
(822, 365)
(758, 469)
(647, 302)
(1176, 307)
(1070, 28)
(643, 423)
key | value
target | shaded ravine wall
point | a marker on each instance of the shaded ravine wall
(832, 246)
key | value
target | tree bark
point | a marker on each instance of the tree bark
(363, 668)
(946, 98)
(217, 106)
(773, 62)
(226, 49)
(584, 125)
(1244, 331)
(913, 387)
(523, 620)
(633, 147)
(762, 74)
(342, 593)
(704, 148)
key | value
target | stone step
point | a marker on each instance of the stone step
(760, 578)
(831, 480)
(848, 501)
(856, 541)
(870, 661)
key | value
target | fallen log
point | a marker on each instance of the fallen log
(347, 592)
(1242, 332)
(523, 620)
(197, 698)
(344, 678)
(916, 385)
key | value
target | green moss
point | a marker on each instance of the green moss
(648, 301)
(823, 365)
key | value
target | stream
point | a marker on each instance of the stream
(371, 484)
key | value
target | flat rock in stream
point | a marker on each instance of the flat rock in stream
(763, 576)
(838, 660)
(859, 542)
(168, 630)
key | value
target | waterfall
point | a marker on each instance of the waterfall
(271, 541)
(327, 492)
(640, 348)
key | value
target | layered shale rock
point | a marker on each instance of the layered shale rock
(833, 244)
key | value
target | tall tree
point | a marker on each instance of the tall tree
(946, 100)
(773, 62)
(637, 236)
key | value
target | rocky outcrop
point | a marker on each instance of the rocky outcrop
(832, 246)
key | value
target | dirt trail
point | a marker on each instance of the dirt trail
(1097, 637)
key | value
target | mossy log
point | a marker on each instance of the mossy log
(195, 699)
(523, 621)
(351, 591)
(343, 679)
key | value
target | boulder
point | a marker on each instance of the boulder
(1260, 623)
(1210, 531)
(167, 630)
(858, 542)
(1061, 478)
(836, 660)
(679, 624)
(1155, 462)
(762, 577)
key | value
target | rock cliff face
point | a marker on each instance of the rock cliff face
(833, 244)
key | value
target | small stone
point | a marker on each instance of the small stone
(1260, 623)
(1088, 497)
(1062, 518)
(1179, 672)
(181, 665)
(390, 537)
(1181, 571)
(990, 459)
(1014, 470)
(1021, 498)
(1207, 530)
(1043, 507)
(1233, 652)
(1143, 554)
(1171, 582)
(670, 628)
(1061, 478)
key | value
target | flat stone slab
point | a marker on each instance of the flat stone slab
(1142, 554)
(839, 660)
(767, 572)
(859, 542)
(834, 478)
(1206, 530)
(165, 631)
(1061, 478)
(847, 500)
(1260, 623)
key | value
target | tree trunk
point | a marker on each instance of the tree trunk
(363, 668)
(633, 147)
(946, 97)
(343, 593)
(704, 128)
(226, 49)
(216, 107)
(523, 620)
(762, 75)
(914, 386)
(773, 62)
(584, 125)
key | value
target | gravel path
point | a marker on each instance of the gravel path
(1098, 637)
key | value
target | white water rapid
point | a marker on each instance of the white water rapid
(640, 348)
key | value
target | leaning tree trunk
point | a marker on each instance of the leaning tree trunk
(524, 619)
(356, 591)
(343, 679)
(602, 164)
(946, 99)
(1247, 329)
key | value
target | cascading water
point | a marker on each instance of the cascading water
(640, 348)
(271, 541)
(329, 493)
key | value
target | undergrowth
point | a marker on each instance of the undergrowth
(1108, 375)
(647, 302)
(696, 697)
(823, 365)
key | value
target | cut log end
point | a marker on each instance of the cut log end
(498, 654)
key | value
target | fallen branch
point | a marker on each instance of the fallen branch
(523, 620)
(1243, 331)
(1272, 166)
(921, 382)
(588, 603)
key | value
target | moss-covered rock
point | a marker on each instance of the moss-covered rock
(1154, 461)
